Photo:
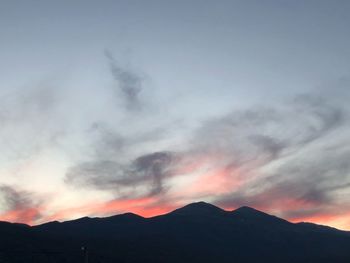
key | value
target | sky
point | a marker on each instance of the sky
(109, 107)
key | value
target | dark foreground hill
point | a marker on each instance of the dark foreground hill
(198, 232)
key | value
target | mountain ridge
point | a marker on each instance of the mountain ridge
(197, 232)
(199, 206)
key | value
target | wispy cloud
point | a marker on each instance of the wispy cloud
(128, 84)
(29, 120)
(302, 168)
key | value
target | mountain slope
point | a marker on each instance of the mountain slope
(198, 232)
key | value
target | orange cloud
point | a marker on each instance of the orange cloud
(341, 221)
(214, 182)
(147, 207)
(25, 215)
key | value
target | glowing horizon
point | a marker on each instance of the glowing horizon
(137, 207)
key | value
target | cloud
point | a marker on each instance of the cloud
(114, 166)
(145, 206)
(285, 158)
(23, 104)
(265, 133)
(29, 121)
(19, 206)
(322, 116)
(109, 142)
(143, 176)
(311, 181)
(128, 83)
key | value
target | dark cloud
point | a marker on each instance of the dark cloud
(128, 83)
(21, 206)
(147, 171)
(156, 166)
(13, 199)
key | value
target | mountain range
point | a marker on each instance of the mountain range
(198, 232)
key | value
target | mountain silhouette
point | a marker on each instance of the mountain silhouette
(199, 208)
(198, 232)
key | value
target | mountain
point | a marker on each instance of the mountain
(198, 232)
(199, 208)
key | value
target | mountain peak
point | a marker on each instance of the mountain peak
(247, 213)
(198, 208)
(125, 216)
(247, 209)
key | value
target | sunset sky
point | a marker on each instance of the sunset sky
(144, 106)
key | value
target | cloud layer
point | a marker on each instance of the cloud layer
(288, 157)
